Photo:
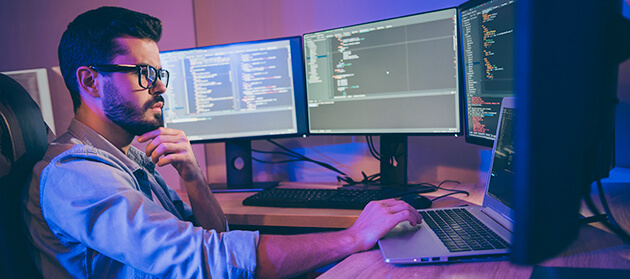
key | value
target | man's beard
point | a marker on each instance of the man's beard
(127, 115)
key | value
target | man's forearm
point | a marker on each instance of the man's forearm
(171, 146)
(206, 208)
(290, 255)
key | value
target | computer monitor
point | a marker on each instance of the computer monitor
(391, 78)
(566, 87)
(236, 93)
(487, 46)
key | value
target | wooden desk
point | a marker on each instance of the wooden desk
(595, 248)
(238, 214)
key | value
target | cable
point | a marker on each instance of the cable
(373, 151)
(297, 157)
(343, 178)
(276, 162)
(593, 219)
(445, 181)
(607, 210)
(367, 179)
(608, 220)
(450, 194)
(439, 187)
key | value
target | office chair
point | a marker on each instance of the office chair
(24, 137)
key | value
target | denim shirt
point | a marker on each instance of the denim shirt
(93, 212)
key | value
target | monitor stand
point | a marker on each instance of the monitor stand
(393, 160)
(238, 164)
(393, 149)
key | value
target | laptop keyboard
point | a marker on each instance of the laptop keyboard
(460, 231)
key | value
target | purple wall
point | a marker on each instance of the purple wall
(31, 30)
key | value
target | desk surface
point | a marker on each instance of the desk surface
(595, 248)
(238, 214)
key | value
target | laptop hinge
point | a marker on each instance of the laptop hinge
(499, 218)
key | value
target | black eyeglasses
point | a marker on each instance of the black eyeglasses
(150, 73)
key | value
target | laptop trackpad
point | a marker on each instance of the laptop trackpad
(402, 228)
(411, 243)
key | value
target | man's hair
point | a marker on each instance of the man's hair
(90, 40)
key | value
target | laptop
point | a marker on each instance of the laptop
(423, 244)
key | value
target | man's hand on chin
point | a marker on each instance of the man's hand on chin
(170, 146)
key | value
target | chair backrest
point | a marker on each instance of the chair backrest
(24, 138)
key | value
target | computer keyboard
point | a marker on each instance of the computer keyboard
(319, 198)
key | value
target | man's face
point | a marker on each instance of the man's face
(135, 119)
(135, 109)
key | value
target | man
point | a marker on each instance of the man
(96, 207)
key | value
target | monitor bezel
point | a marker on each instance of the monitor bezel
(460, 100)
(299, 86)
(471, 139)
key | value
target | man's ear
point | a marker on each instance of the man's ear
(87, 81)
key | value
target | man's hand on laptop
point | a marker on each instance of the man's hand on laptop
(378, 218)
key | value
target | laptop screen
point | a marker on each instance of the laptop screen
(501, 183)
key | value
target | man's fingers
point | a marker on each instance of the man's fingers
(149, 135)
(410, 214)
(401, 208)
(398, 206)
(160, 140)
(388, 202)
(160, 131)
(392, 206)
(168, 159)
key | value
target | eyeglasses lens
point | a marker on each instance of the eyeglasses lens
(149, 76)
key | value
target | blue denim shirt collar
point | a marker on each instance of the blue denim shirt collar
(134, 159)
